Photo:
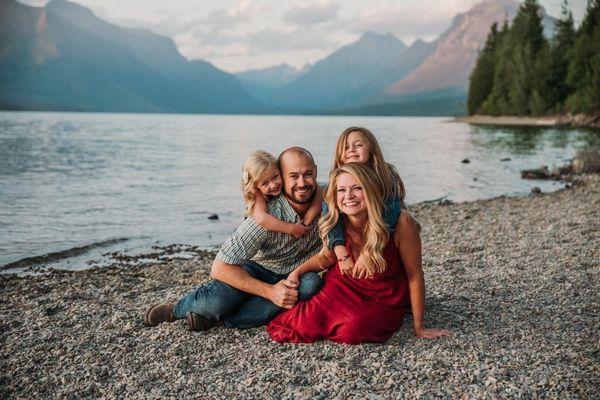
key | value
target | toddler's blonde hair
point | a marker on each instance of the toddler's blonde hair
(255, 165)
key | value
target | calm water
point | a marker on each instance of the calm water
(70, 179)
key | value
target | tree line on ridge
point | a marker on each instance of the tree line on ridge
(521, 72)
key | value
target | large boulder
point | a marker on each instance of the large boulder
(586, 162)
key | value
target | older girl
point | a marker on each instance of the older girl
(359, 145)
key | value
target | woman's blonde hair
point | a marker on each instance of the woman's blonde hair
(392, 183)
(375, 233)
(255, 165)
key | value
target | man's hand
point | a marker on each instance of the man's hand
(294, 277)
(298, 230)
(284, 294)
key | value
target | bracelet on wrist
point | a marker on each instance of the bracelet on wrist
(344, 258)
(321, 266)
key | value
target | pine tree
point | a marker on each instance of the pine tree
(560, 54)
(528, 42)
(481, 80)
(497, 101)
(521, 69)
(539, 101)
(584, 68)
(519, 87)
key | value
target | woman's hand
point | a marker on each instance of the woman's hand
(432, 333)
(359, 270)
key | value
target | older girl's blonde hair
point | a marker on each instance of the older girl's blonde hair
(392, 183)
(375, 233)
(255, 165)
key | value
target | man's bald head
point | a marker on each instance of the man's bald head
(297, 151)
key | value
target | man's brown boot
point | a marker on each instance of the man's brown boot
(159, 313)
(197, 322)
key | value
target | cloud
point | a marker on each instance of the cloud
(202, 43)
(217, 34)
(165, 26)
(276, 41)
(312, 14)
(34, 3)
(244, 10)
(411, 20)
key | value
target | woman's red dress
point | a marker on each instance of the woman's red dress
(349, 310)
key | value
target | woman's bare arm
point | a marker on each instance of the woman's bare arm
(319, 262)
(408, 241)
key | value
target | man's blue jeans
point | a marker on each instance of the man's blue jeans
(239, 309)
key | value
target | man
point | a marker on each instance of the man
(249, 285)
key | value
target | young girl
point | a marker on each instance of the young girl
(261, 181)
(358, 145)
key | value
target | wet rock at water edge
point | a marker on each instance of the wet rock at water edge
(540, 173)
(536, 190)
(213, 217)
(585, 161)
(561, 172)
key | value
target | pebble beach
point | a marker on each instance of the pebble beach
(516, 279)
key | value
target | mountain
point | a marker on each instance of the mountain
(450, 65)
(442, 102)
(331, 81)
(406, 62)
(264, 84)
(62, 57)
(278, 75)
(379, 71)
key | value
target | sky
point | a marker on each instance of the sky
(237, 35)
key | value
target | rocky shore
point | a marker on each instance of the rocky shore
(516, 279)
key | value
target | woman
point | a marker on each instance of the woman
(353, 310)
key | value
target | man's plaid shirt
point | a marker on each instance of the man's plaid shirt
(278, 252)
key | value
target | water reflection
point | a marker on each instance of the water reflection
(527, 140)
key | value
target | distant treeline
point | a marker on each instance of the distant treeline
(520, 72)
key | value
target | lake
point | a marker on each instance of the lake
(129, 181)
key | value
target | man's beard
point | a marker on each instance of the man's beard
(295, 200)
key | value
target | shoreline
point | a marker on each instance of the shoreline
(516, 279)
(579, 121)
(161, 253)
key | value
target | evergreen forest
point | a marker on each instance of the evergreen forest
(521, 72)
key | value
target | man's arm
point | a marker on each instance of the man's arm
(241, 247)
(283, 294)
